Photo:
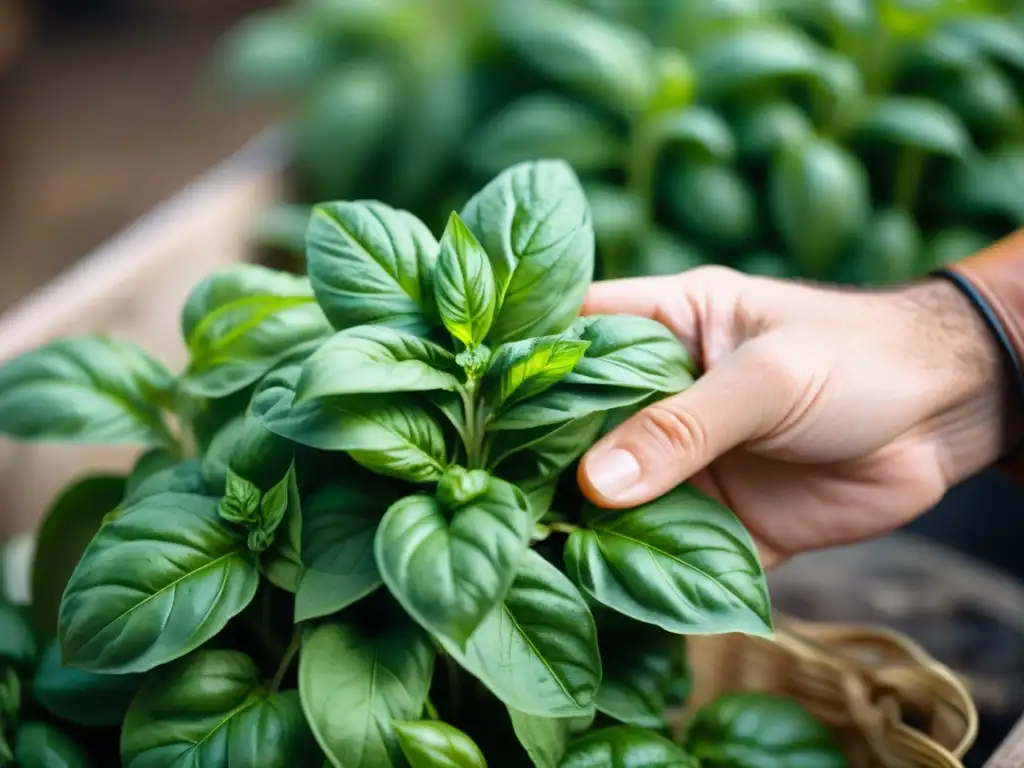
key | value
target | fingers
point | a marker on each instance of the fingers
(631, 296)
(743, 398)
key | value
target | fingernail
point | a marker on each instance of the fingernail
(613, 472)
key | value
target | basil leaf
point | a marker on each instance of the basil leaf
(760, 730)
(433, 744)
(371, 358)
(389, 435)
(545, 739)
(80, 697)
(282, 563)
(39, 745)
(211, 708)
(449, 567)
(535, 225)
(763, 129)
(625, 746)
(371, 264)
(155, 583)
(17, 642)
(916, 123)
(67, 529)
(582, 51)
(354, 684)
(523, 369)
(85, 390)
(697, 131)
(148, 464)
(566, 402)
(337, 548)
(683, 562)
(185, 477)
(239, 322)
(626, 351)
(464, 285)
(989, 35)
(538, 652)
(714, 204)
(545, 125)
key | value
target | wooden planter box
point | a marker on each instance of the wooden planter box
(134, 287)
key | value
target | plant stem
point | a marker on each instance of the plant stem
(431, 710)
(474, 436)
(563, 527)
(287, 659)
(908, 178)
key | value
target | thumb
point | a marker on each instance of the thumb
(745, 396)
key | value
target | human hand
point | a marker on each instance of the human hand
(824, 415)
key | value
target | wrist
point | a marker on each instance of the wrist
(973, 405)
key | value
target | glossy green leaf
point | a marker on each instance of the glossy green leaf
(626, 746)
(684, 563)
(566, 402)
(523, 369)
(80, 697)
(390, 435)
(535, 225)
(371, 264)
(372, 19)
(450, 567)
(545, 739)
(155, 583)
(937, 57)
(713, 204)
(840, 92)
(40, 745)
(819, 199)
(337, 547)
(355, 683)
(660, 253)
(746, 60)
(545, 125)
(17, 641)
(282, 564)
(991, 36)
(987, 101)
(760, 730)
(766, 264)
(433, 744)
(148, 464)
(990, 185)
(67, 529)
(373, 358)
(583, 52)
(923, 124)
(951, 245)
(887, 252)
(698, 130)
(538, 652)
(85, 390)
(619, 215)
(464, 285)
(241, 321)
(184, 477)
(762, 130)
(282, 226)
(211, 709)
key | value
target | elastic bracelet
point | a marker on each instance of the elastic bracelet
(995, 326)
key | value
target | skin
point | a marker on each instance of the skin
(824, 416)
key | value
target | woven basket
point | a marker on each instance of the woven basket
(889, 703)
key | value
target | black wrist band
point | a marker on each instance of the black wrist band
(994, 324)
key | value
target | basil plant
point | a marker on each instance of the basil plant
(349, 544)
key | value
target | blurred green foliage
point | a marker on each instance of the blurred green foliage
(864, 141)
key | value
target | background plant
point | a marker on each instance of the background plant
(349, 539)
(864, 141)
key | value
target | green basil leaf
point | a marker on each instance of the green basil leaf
(389, 435)
(991, 36)
(888, 251)
(619, 218)
(10, 705)
(155, 583)
(239, 322)
(627, 351)
(840, 93)
(538, 652)
(545, 125)
(433, 744)
(989, 185)
(371, 358)
(661, 253)
(760, 730)
(80, 697)
(766, 264)
(764, 129)
(922, 124)
(66, 531)
(283, 564)
(282, 227)
(85, 390)
(17, 641)
(211, 708)
(245, 453)
(818, 199)
(185, 477)
(337, 548)
(566, 402)
(713, 203)
(683, 562)
(986, 99)
(275, 506)
(39, 745)
(535, 225)
(523, 369)
(698, 131)
(951, 245)
(583, 52)
(464, 285)
(355, 684)
(148, 464)
(241, 502)
(371, 264)
(626, 746)
(545, 739)
(450, 567)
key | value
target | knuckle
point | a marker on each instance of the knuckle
(671, 429)
(774, 370)
(712, 274)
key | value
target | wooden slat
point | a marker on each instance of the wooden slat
(1011, 753)
(132, 287)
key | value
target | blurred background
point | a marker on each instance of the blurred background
(859, 141)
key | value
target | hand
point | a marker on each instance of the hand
(824, 415)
